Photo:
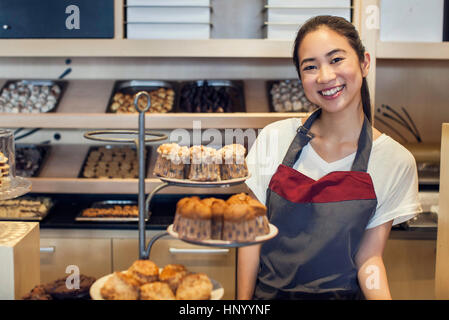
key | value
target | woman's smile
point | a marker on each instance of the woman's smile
(332, 93)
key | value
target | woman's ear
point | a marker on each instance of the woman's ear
(365, 65)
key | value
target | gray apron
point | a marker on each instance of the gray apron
(321, 224)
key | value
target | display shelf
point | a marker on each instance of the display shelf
(209, 48)
(60, 175)
(85, 101)
(413, 50)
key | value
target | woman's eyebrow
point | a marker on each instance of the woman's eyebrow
(330, 53)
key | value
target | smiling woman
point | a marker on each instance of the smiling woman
(335, 187)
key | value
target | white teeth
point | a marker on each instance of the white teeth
(332, 91)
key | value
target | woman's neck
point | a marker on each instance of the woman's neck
(339, 127)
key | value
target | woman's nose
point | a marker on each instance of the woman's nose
(326, 74)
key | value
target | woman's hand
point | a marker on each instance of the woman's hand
(372, 275)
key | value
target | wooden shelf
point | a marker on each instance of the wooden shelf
(210, 48)
(412, 50)
(153, 121)
(60, 175)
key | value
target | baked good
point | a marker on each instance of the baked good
(120, 286)
(194, 287)
(5, 180)
(234, 164)
(37, 293)
(245, 219)
(162, 100)
(25, 207)
(204, 164)
(171, 160)
(156, 291)
(144, 271)
(116, 211)
(193, 219)
(172, 274)
(240, 218)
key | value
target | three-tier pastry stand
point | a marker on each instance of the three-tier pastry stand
(144, 204)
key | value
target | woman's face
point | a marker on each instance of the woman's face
(331, 72)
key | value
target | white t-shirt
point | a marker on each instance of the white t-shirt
(391, 166)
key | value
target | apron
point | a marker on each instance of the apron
(321, 224)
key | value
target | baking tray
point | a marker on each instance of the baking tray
(134, 86)
(269, 86)
(234, 88)
(147, 158)
(44, 151)
(40, 218)
(108, 204)
(61, 83)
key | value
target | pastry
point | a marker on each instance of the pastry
(204, 164)
(194, 287)
(234, 164)
(162, 101)
(171, 160)
(172, 274)
(156, 291)
(144, 271)
(120, 286)
(193, 219)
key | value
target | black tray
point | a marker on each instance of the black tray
(269, 86)
(147, 158)
(61, 83)
(134, 86)
(44, 151)
(234, 88)
(108, 204)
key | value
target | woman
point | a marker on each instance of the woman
(333, 185)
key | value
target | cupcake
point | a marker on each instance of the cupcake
(234, 164)
(192, 219)
(204, 164)
(144, 271)
(244, 219)
(171, 161)
(218, 208)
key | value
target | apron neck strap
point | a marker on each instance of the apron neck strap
(303, 137)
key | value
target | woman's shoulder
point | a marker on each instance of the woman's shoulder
(391, 152)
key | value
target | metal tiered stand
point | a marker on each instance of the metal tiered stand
(144, 204)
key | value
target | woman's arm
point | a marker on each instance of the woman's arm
(247, 268)
(372, 275)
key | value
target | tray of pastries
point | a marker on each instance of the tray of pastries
(212, 96)
(112, 162)
(25, 208)
(110, 211)
(287, 96)
(201, 165)
(30, 159)
(162, 93)
(31, 96)
(238, 221)
(58, 290)
(144, 280)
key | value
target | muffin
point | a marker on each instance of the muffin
(218, 208)
(194, 287)
(204, 164)
(156, 291)
(192, 219)
(120, 286)
(172, 274)
(144, 271)
(244, 219)
(234, 164)
(171, 161)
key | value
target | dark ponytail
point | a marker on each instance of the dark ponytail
(345, 29)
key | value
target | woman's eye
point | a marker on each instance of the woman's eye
(309, 68)
(335, 60)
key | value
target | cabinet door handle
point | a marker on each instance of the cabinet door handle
(199, 251)
(51, 249)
